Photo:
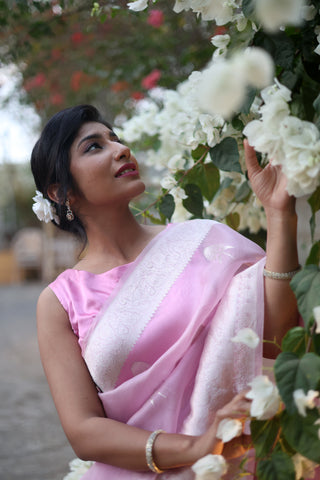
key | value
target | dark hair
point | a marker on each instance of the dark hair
(50, 159)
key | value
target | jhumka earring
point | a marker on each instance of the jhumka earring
(69, 213)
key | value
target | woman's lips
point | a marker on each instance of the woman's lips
(128, 169)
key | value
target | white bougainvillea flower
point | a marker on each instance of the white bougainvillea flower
(221, 42)
(77, 469)
(316, 314)
(304, 401)
(177, 162)
(168, 182)
(258, 66)
(210, 467)
(246, 336)
(228, 429)
(221, 91)
(220, 10)
(308, 12)
(138, 5)
(265, 398)
(304, 467)
(181, 5)
(273, 14)
(43, 208)
(178, 192)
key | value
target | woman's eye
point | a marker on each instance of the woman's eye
(92, 146)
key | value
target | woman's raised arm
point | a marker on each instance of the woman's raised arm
(269, 184)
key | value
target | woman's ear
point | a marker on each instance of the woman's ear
(53, 192)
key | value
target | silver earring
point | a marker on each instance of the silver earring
(69, 213)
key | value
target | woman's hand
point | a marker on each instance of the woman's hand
(269, 183)
(238, 408)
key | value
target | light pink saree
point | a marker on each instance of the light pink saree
(160, 351)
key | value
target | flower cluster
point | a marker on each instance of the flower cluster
(177, 119)
(222, 92)
(286, 140)
(271, 14)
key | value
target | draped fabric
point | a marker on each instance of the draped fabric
(160, 350)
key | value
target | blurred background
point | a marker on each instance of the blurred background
(55, 54)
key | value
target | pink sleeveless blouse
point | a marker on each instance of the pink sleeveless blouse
(82, 295)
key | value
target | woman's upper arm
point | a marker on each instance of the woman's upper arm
(72, 388)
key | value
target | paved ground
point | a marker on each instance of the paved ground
(32, 443)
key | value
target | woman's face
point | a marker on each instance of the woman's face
(103, 170)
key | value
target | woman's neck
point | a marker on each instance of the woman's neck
(114, 240)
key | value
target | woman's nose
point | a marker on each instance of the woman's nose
(122, 152)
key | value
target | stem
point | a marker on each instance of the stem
(313, 329)
(273, 342)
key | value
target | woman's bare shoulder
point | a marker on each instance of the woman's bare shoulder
(49, 308)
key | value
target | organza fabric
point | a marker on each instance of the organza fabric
(159, 349)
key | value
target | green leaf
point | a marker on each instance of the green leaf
(280, 46)
(243, 192)
(264, 434)
(247, 8)
(206, 177)
(292, 372)
(314, 255)
(167, 206)
(301, 433)
(199, 152)
(233, 220)
(237, 124)
(194, 202)
(316, 104)
(306, 287)
(278, 467)
(295, 341)
(225, 155)
(250, 96)
(314, 202)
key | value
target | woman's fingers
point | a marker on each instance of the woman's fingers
(237, 408)
(251, 159)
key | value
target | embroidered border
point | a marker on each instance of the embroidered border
(141, 294)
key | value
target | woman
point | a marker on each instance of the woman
(135, 338)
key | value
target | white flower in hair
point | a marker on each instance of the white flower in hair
(44, 210)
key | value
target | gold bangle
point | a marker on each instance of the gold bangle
(149, 447)
(281, 276)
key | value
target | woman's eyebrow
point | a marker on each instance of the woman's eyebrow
(96, 136)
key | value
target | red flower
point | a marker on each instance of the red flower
(155, 18)
(77, 38)
(56, 99)
(120, 86)
(75, 81)
(151, 80)
(220, 30)
(35, 82)
(137, 95)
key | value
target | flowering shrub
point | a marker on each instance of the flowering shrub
(262, 82)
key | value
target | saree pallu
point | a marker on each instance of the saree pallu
(161, 351)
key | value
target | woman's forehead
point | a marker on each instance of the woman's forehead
(92, 127)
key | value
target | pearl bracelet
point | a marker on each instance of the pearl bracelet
(281, 276)
(149, 447)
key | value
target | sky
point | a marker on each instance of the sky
(19, 124)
